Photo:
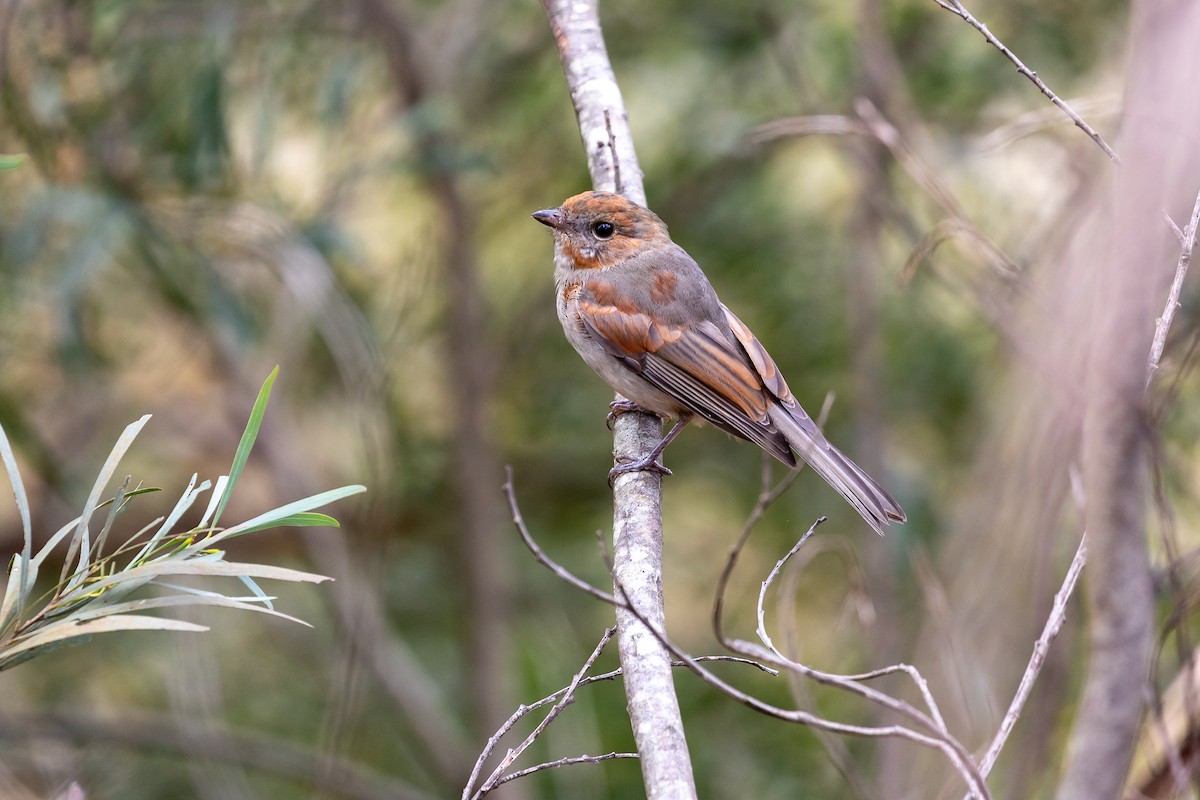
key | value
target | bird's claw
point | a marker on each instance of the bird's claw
(618, 407)
(640, 465)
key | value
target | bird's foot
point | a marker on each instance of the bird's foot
(618, 407)
(647, 464)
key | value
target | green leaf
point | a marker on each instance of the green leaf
(311, 519)
(9, 162)
(129, 494)
(242, 454)
(273, 517)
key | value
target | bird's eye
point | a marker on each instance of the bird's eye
(603, 230)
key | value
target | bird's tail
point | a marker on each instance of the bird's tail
(868, 498)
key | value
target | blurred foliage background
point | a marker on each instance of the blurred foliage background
(342, 187)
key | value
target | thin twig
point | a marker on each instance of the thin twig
(527, 708)
(935, 714)
(1058, 611)
(946, 744)
(567, 697)
(1187, 241)
(766, 498)
(562, 762)
(1054, 623)
(941, 739)
(957, 8)
(540, 555)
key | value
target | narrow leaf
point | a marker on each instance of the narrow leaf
(214, 501)
(177, 600)
(178, 566)
(273, 517)
(131, 493)
(68, 629)
(311, 519)
(242, 454)
(117, 502)
(14, 593)
(185, 502)
(18, 490)
(79, 542)
(257, 591)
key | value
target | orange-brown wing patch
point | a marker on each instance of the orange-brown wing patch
(695, 363)
(771, 377)
(662, 289)
(624, 334)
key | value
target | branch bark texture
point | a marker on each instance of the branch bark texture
(637, 496)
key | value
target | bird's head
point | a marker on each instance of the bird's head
(596, 230)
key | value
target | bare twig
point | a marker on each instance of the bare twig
(1054, 623)
(567, 697)
(562, 762)
(958, 9)
(940, 738)
(519, 714)
(564, 695)
(937, 740)
(1124, 293)
(769, 660)
(540, 555)
(936, 721)
(766, 499)
(956, 228)
(1187, 241)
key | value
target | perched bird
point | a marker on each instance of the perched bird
(643, 315)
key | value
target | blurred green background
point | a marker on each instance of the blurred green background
(342, 188)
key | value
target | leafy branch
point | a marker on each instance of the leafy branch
(94, 589)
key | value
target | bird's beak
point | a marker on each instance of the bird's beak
(550, 217)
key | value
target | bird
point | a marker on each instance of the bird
(643, 315)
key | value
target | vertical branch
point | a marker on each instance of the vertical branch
(1131, 271)
(637, 496)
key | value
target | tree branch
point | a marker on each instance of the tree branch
(1130, 271)
(958, 9)
(637, 496)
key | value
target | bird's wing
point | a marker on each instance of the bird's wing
(694, 362)
(869, 498)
